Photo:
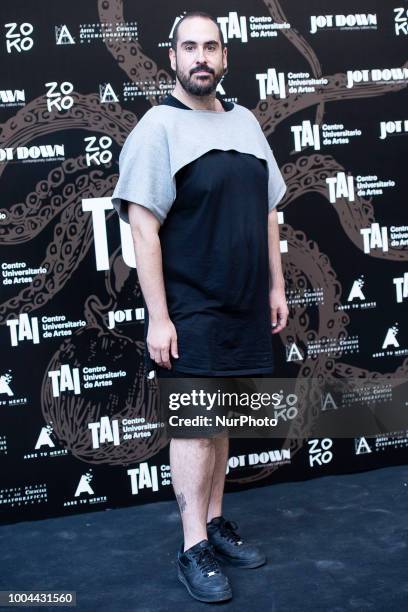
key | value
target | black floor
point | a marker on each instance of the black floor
(335, 543)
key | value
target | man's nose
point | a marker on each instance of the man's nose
(200, 55)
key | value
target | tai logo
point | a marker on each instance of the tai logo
(104, 431)
(23, 328)
(375, 237)
(143, 477)
(271, 83)
(233, 27)
(65, 379)
(340, 186)
(306, 135)
(97, 207)
(401, 287)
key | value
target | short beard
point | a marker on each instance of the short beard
(196, 88)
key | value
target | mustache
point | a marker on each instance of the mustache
(203, 69)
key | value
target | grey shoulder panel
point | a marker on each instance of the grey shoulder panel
(168, 138)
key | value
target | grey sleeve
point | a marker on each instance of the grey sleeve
(145, 176)
(276, 184)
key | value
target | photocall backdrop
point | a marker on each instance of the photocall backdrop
(328, 83)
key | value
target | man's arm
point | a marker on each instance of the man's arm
(277, 299)
(161, 335)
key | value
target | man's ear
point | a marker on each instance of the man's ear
(172, 57)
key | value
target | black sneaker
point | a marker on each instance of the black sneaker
(201, 574)
(230, 547)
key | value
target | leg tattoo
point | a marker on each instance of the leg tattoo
(181, 501)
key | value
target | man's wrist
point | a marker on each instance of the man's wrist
(159, 317)
(278, 283)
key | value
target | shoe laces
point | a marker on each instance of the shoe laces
(206, 561)
(228, 530)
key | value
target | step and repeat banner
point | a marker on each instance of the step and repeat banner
(328, 83)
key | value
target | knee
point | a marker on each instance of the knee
(203, 442)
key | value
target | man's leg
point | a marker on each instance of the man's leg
(192, 466)
(221, 445)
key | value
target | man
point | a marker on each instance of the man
(204, 185)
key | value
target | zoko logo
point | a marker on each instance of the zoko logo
(319, 452)
(401, 20)
(18, 37)
(59, 98)
(98, 206)
(104, 431)
(143, 477)
(391, 337)
(392, 127)
(233, 26)
(374, 237)
(23, 328)
(306, 135)
(401, 287)
(357, 290)
(340, 186)
(97, 150)
(107, 93)
(271, 83)
(65, 379)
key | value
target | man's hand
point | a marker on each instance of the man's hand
(162, 340)
(279, 309)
